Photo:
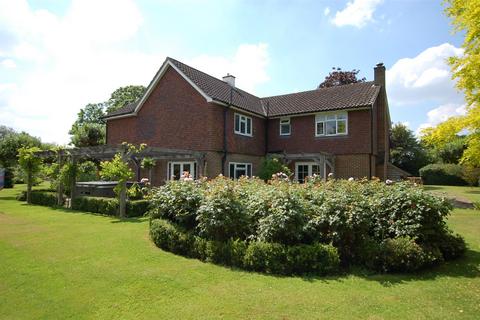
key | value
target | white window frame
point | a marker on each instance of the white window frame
(310, 164)
(235, 164)
(322, 118)
(181, 163)
(242, 119)
(283, 122)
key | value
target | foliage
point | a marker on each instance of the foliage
(405, 150)
(87, 135)
(87, 171)
(123, 96)
(337, 77)
(471, 175)
(271, 166)
(11, 142)
(109, 206)
(46, 198)
(450, 152)
(135, 192)
(28, 161)
(220, 215)
(465, 68)
(346, 214)
(177, 201)
(266, 257)
(148, 163)
(91, 113)
(443, 174)
(116, 170)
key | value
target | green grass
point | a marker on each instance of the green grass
(469, 193)
(59, 264)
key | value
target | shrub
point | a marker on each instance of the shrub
(271, 166)
(221, 215)
(401, 255)
(43, 197)
(451, 245)
(109, 206)
(444, 174)
(177, 201)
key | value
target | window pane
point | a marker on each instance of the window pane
(249, 126)
(342, 126)
(240, 172)
(342, 116)
(285, 129)
(331, 117)
(320, 128)
(242, 127)
(302, 172)
(186, 167)
(331, 127)
(320, 118)
(176, 171)
(232, 171)
(316, 170)
(237, 122)
(249, 170)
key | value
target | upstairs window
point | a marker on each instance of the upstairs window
(285, 127)
(243, 125)
(240, 169)
(331, 124)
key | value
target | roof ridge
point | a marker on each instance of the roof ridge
(316, 90)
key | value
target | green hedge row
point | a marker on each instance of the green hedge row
(109, 206)
(41, 197)
(274, 258)
(443, 174)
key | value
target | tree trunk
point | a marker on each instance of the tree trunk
(123, 200)
(29, 187)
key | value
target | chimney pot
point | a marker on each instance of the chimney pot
(230, 79)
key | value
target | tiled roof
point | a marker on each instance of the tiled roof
(349, 96)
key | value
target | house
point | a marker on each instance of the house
(342, 130)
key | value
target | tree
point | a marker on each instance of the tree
(123, 96)
(31, 164)
(10, 144)
(451, 151)
(91, 113)
(337, 77)
(405, 150)
(118, 170)
(466, 69)
(88, 134)
(4, 130)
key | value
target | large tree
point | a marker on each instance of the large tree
(338, 77)
(405, 150)
(123, 96)
(465, 17)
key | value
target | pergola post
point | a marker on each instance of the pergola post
(73, 182)
(60, 187)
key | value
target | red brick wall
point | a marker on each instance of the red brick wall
(254, 145)
(175, 116)
(302, 138)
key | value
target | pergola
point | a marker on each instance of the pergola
(105, 152)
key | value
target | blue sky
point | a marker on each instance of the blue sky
(57, 56)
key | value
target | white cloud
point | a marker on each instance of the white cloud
(426, 77)
(8, 64)
(357, 13)
(81, 57)
(441, 114)
(326, 11)
(248, 65)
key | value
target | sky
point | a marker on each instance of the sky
(57, 56)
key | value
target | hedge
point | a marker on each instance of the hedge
(274, 258)
(364, 220)
(443, 174)
(40, 197)
(109, 206)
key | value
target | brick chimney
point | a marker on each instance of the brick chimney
(229, 79)
(379, 74)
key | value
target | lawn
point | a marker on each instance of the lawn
(469, 193)
(60, 264)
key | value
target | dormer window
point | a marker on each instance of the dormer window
(285, 127)
(243, 125)
(331, 124)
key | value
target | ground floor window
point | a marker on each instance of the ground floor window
(306, 169)
(176, 169)
(240, 169)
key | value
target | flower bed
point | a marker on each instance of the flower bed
(387, 228)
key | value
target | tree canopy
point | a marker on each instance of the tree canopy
(11, 141)
(405, 150)
(123, 96)
(465, 17)
(338, 77)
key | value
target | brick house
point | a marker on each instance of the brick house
(343, 130)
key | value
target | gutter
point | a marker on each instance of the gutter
(225, 144)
